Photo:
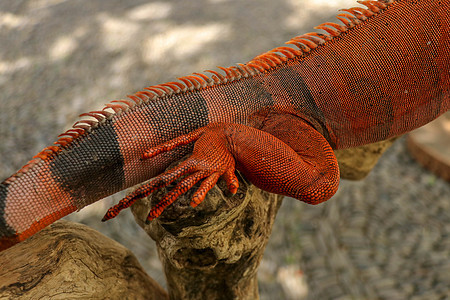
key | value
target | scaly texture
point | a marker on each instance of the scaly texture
(383, 72)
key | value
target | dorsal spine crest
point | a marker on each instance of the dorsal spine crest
(302, 46)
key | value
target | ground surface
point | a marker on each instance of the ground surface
(385, 237)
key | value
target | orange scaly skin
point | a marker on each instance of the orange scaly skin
(276, 119)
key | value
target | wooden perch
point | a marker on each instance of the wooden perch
(214, 250)
(72, 261)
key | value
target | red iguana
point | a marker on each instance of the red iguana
(383, 72)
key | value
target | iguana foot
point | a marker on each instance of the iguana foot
(209, 161)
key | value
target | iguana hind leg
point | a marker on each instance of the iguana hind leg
(286, 157)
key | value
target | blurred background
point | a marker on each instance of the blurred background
(386, 237)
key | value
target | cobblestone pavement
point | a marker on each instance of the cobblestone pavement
(386, 237)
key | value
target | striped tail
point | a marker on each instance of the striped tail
(27, 205)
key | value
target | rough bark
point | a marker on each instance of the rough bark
(213, 251)
(72, 261)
